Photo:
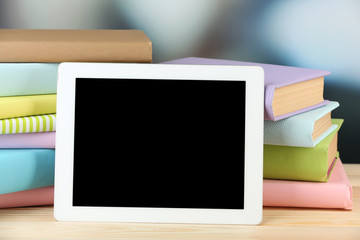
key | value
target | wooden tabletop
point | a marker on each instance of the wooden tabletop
(278, 223)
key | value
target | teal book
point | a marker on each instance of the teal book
(24, 169)
(303, 130)
(301, 163)
(18, 79)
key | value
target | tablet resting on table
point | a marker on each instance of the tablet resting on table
(159, 143)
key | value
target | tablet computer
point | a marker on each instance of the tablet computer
(159, 143)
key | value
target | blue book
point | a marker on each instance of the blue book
(24, 169)
(18, 79)
(302, 130)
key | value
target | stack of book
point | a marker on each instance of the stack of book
(27, 137)
(29, 61)
(302, 167)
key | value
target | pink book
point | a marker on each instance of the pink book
(28, 140)
(33, 197)
(336, 193)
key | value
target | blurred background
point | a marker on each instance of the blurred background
(320, 34)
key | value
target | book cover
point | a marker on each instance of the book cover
(303, 130)
(32, 124)
(30, 105)
(60, 45)
(28, 140)
(288, 90)
(301, 163)
(335, 193)
(24, 169)
(18, 79)
(32, 197)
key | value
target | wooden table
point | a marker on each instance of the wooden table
(278, 223)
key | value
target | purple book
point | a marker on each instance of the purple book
(276, 76)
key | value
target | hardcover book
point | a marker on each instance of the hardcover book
(288, 90)
(24, 169)
(303, 130)
(32, 124)
(28, 140)
(18, 79)
(336, 193)
(32, 197)
(30, 105)
(301, 163)
(60, 45)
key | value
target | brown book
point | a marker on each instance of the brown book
(33, 45)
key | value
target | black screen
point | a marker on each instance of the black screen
(159, 143)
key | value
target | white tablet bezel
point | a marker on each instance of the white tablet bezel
(67, 74)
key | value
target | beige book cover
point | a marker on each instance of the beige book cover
(35, 45)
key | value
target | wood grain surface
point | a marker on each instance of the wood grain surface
(278, 223)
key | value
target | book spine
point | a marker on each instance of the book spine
(56, 52)
(24, 169)
(33, 197)
(28, 140)
(19, 106)
(18, 79)
(268, 99)
(33, 124)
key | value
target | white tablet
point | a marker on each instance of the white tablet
(159, 143)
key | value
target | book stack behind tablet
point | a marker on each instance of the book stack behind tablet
(29, 61)
(302, 167)
(27, 133)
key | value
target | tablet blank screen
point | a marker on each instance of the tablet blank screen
(159, 143)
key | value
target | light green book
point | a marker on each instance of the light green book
(32, 124)
(302, 163)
